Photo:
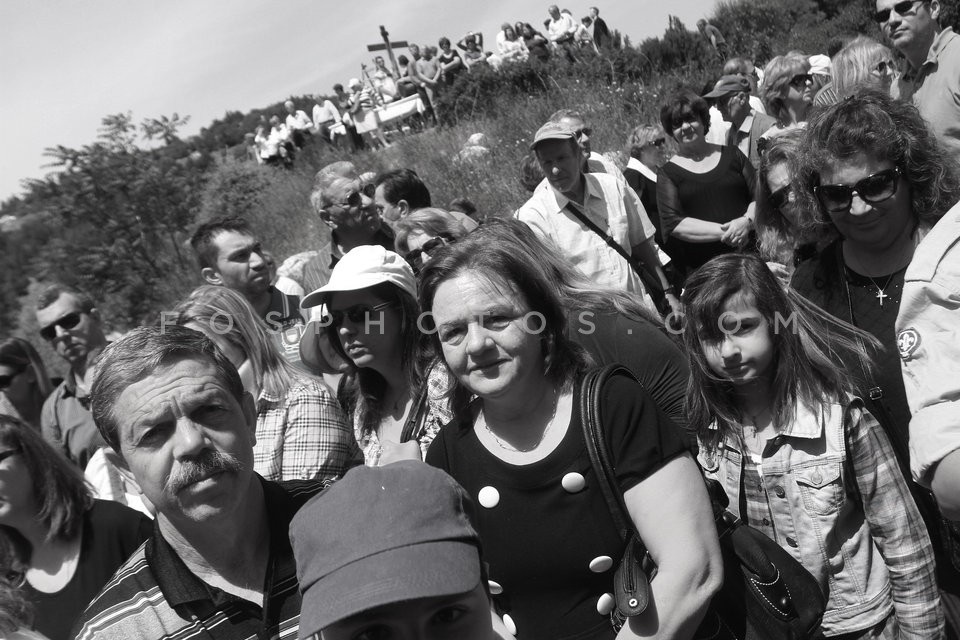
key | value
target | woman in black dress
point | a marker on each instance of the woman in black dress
(705, 192)
(880, 180)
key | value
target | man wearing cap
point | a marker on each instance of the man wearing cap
(731, 95)
(392, 548)
(557, 209)
(219, 564)
(932, 80)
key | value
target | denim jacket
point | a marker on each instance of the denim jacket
(841, 507)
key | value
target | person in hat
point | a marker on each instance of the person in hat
(555, 209)
(415, 570)
(372, 323)
(731, 95)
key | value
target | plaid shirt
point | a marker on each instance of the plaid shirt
(839, 504)
(303, 435)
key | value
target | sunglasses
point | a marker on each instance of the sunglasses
(781, 196)
(415, 257)
(800, 80)
(358, 313)
(901, 8)
(837, 198)
(67, 322)
(659, 142)
(355, 199)
(884, 67)
(585, 130)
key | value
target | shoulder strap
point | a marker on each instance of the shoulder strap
(633, 261)
(413, 428)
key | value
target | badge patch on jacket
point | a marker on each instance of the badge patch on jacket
(907, 342)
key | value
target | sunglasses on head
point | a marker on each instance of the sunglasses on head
(67, 322)
(901, 8)
(837, 198)
(781, 196)
(884, 67)
(800, 80)
(358, 313)
(415, 258)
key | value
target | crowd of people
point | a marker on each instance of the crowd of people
(354, 120)
(385, 437)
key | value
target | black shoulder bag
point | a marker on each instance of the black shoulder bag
(766, 593)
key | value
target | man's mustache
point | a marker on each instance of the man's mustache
(202, 467)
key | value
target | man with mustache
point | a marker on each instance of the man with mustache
(219, 563)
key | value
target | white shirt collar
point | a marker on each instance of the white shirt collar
(644, 170)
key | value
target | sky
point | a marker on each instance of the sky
(65, 64)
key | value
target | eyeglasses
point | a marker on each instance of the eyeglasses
(9, 453)
(355, 199)
(800, 80)
(781, 196)
(415, 257)
(583, 130)
(837, 198)
(884, 67)
(901, 8)
(659, 142)
(67, 322)
(358, 313)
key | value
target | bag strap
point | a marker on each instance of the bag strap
(413, 428)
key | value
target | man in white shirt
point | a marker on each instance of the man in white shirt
(325, 115)
(298, 123)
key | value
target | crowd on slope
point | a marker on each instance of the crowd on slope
(384, 437)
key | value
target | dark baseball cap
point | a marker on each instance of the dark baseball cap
(729, 84)
(382, 535)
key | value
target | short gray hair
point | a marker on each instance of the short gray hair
(136, 355)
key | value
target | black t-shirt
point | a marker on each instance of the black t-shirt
(111, 533)
(540, 539)
(719, 195)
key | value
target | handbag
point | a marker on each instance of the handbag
(766, 593)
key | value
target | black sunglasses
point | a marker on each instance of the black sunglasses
(780, 197)
(583, 130)
(67, 322)
(358, 313)
(837, 198)
(901, 8)
(415, 257)
(659, 142)
(885, 66)
(800, 80)
(355, 199)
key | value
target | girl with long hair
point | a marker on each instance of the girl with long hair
(23, 381)
(798, 455)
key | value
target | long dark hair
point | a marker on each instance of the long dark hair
(497, 263)
(811, 346)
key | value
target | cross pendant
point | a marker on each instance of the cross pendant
(881, 296)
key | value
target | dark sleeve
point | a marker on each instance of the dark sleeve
(437, 452)
(668, 204)
(641, 438)
(747, 171)
(633, 179)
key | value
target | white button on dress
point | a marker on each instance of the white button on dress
(489, 497)
(605, 604)
(573, 482)
(601, 564)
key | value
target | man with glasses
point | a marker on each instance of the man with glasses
(731, 95)
(72, 326)
(932, 81)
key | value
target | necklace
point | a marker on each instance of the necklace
(881, 291)
(509, 447)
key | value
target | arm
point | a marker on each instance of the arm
(896, 527)
(646, 251)
(945, 484)
(318, 441)
(681, 537)
(674, 221)
(50, 424)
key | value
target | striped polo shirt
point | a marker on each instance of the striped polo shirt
(154, 595)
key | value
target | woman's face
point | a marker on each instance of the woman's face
(490, 340)
(19, 389)
(445, 46)
(17, 502)
(872, 227)
(420, 245)
(369, 336)
(527, 32)
(779, 183)
(799, 93)
(689, 130)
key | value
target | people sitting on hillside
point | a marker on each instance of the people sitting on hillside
(472, 47)
(583, 37)
(512, 48)
(451, 64)
(281, 139)
(535, 42)
(298, 124)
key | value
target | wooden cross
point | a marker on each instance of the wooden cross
(389, 47)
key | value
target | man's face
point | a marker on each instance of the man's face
(554, 13)
(414, 51)
(240, 264)
(580, 128)
(389, 212)
(350, 208)
(917, 28)
(594, 13)
(74, 334)
(188, 441)
(733, 107)
(464, 616)
(561, 161)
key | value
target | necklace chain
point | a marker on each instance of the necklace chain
(508, 447)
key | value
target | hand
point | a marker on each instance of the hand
(396, 451)
(736, 233)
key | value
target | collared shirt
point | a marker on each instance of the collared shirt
(929, 350)
(935, 90)
(325, 113)
(299, 120)
(839, 504)
(613, 207)
(741, 137)
(562, 27)
(67, 424)
(303, 435)
(154, 596)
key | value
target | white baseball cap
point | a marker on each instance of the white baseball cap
(362, 267)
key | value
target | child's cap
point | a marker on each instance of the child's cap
(382, 535)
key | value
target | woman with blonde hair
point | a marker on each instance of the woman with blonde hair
(24, 383)
(863, 63)
(423, 231)
(787, 92)
(302, 433)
